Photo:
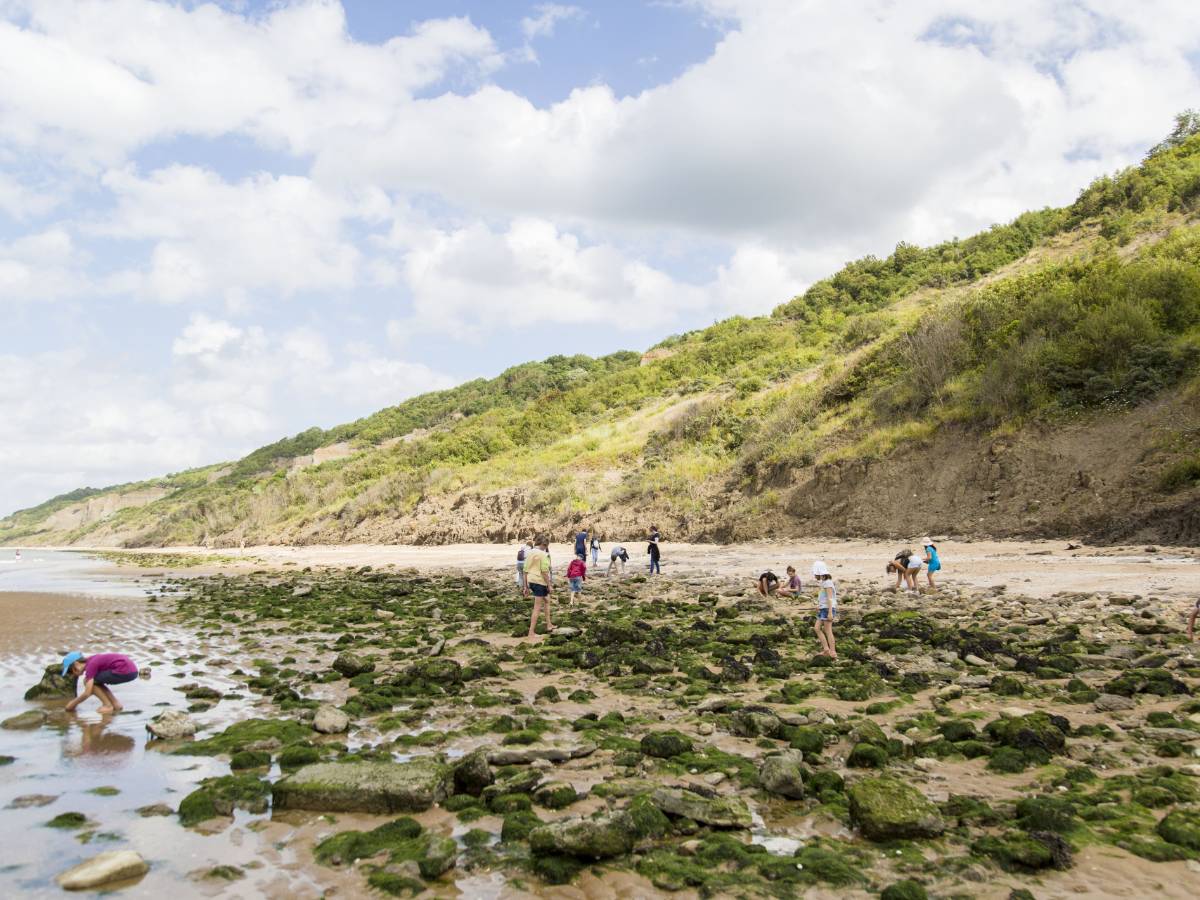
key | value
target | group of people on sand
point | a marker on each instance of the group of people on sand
(535, 575)
(907, 566)
(769, 585)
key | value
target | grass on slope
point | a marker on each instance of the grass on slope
(994, 329)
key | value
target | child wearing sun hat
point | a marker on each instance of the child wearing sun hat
(98, 673)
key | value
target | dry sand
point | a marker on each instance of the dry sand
(1032, 568)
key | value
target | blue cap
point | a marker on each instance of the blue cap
(72, 657)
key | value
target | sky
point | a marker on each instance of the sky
(223, 223)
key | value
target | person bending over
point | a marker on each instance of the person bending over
(768, 583)
(99, 673)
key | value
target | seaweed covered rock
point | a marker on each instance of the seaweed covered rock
(221, 796)
(53, 685)
(31, 718)
(404, 841)
(249, 734)
(719, 812)
(755, 722)
(1159, 682)
(783, 774)
(1019, 851)
(1035, 731)
(1181, 827)
(598, 838)
(375, 787)
(665, 744)
(886, 808)
(472, 774)
(350, 664)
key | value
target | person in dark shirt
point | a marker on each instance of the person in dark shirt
(98, 673)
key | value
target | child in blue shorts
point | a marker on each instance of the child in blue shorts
(826, 609)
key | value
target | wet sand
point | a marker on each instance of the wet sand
(72, 756)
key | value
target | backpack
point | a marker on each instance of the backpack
(521, 555)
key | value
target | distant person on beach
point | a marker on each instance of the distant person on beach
(793, 585)
(595, 550)
(768, 583)
(654, 534)
(901, 564)
(826, 609)
(1192, 621)
(911, 573)
(617, 553)
(539, 581)
(98, 673)
(655, 556)
(576, 576)
(581, 542)
(522, 552)
(932, 562)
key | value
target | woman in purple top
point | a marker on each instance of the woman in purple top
(98, 673)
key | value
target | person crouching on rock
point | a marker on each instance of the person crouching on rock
(99, 672)
(539, 581)
(899, 565)
(826, 609)
(793, 585)
(768, 583)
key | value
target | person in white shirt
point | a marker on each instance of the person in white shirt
(826, 609)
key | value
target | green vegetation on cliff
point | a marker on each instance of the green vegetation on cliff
(1064, 318)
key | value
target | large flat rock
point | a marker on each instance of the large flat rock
(374, 787)
(107, 868)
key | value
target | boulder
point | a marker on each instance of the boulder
(887, 808)
(783, 774)
(599, 838)
(472, 774)
(106, 868)
(719, 812)
(751, 722)
(374, 787)
(52, 686)
(350, 664)
(31, 718)
(665, 744)
(1181, 827)
(330, 720)
(171, 725)
(523, 756)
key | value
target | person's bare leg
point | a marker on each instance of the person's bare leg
(537, 602)
(829, 638)
(108, 701)
(821, 638)
(929, 575)
(546, 607)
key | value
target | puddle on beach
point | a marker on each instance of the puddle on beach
(71, 756)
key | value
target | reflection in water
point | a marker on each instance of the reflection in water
(97, 739)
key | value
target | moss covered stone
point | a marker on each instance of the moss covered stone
(665, 744)
(246, 735)
(783, 774)
(719, 812)
(904, 890)
(597, 838)
(1020, 851)
(376, 787)
(518, 824)
(250, 759)
(1181, 827)
(867, 756)
(221, 796)
(68, 821)
(886, 808)
(403, 840)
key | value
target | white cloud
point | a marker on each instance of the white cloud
(74, 418)
(547, 17)
(41, 265)
(212, 238)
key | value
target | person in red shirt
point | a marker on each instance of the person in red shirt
(98, 673)
(576, 576)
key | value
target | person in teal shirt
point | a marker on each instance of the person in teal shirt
(932, 563)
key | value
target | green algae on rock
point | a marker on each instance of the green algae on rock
(249, 734)
(376, 787)
(597, 838)
(719, 812)
(886, 808)
(221, 796)
(53, 686)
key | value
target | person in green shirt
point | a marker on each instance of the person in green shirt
(539, 581)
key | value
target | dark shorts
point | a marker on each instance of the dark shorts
(110, 677)
(539, 590)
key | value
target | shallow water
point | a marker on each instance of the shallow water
(71, 756)
(66, 572)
